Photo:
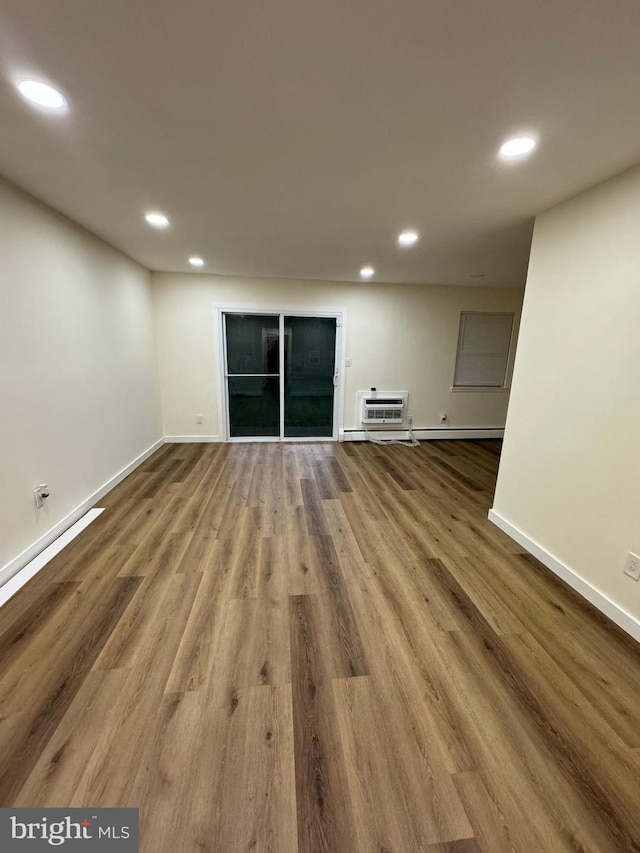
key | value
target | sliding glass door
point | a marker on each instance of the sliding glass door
(280, 375)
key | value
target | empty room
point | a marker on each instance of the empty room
(320, 426)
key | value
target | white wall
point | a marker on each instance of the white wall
(398, 336)
(79, 395)
(570, 471)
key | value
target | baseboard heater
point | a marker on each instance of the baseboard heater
(427, 434)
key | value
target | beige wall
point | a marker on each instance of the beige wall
(570, 471)
(79, 392)
(397, 336)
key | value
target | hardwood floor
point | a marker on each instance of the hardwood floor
(319, 647)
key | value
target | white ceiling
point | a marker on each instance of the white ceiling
(296, 138)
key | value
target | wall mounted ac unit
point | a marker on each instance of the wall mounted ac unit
(388, 409)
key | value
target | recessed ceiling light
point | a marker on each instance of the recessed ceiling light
(367, 272)
(408, 238)
(196, 261)
(518, 146)
(42, 95)
(156, 219)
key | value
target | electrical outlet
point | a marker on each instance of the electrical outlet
(632, 566)
(40, 494)
(199, 419)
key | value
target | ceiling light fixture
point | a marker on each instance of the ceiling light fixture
(518, 146)
(408, 238)
(196, 261)
(42, 95)
(156, 219)
(367, 272)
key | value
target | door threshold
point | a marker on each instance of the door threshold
(276, 440)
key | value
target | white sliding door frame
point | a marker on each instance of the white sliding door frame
(279, 313)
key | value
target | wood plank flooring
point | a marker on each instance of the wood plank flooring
(307, 648)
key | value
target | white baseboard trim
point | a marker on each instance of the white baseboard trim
(605, 605)
(193, 439)
(357, 435)
(9, 589)
(19, 562)
(431, 434)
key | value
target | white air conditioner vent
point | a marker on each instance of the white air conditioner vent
(388, 409)
(371, 413)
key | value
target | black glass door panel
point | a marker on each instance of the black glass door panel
(308, 371)
(252, 344)
(253, 375)
(254, 406)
